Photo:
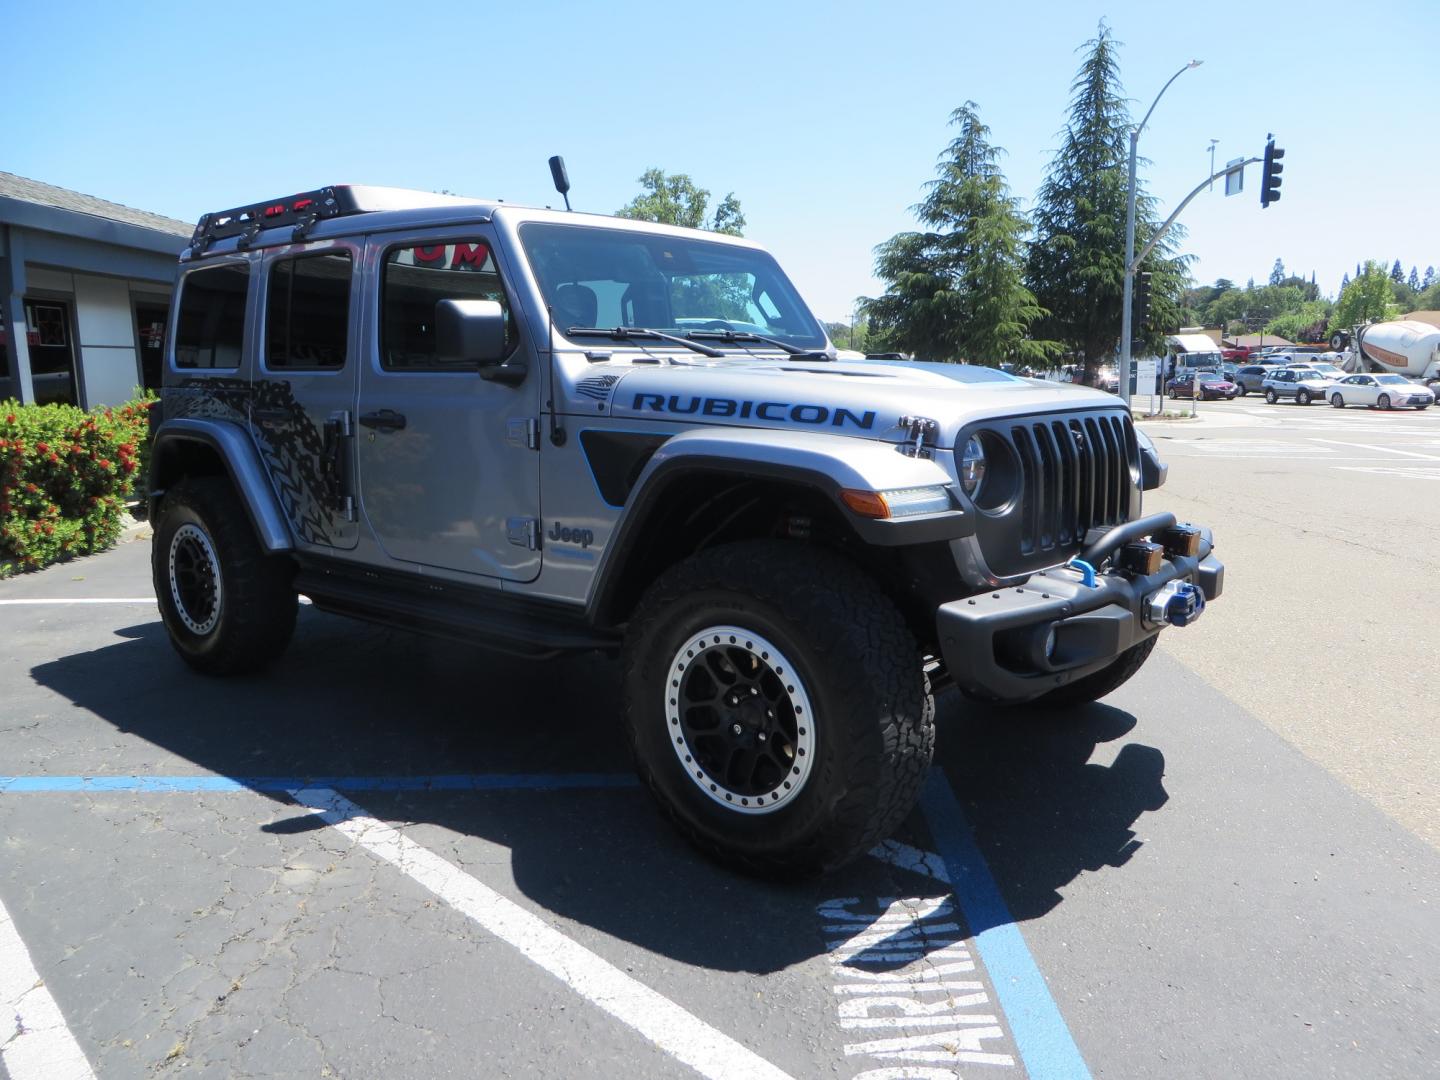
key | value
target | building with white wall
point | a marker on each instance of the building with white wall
(84, 294)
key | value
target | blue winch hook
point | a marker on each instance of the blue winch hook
(1087, 572)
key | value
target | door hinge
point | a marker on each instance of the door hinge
(523, 431)
(523, 532)
(339, 434)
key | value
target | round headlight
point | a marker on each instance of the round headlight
(972, 466)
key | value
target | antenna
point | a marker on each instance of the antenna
(561, 178)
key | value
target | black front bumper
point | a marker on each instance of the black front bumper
(994, 644)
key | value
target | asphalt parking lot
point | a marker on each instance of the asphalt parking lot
(390, 856)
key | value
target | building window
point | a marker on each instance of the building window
(211, 327)
(307, 313)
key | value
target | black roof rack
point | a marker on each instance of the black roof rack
(300, 211)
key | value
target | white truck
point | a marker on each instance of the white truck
(1405, 346)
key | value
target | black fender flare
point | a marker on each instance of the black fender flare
(237, 452)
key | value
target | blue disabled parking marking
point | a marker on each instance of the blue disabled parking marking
(1041, 1034)
(444, 782)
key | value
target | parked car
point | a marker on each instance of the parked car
(1329, 370)
(1251, 377)
(1381, 392)
(1212, 386)
(1303, 384)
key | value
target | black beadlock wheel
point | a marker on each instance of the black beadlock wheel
(228, 606)
(777, 706)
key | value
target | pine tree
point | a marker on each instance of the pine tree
(1277, 273)
(1397, 273)
(1077, 259)
(1414, 279)
(957, 291)
(1429, 278)
(1345, 281)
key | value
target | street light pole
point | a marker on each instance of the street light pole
(1126, 309)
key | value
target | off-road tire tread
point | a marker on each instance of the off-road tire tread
(846, 613)
(1105, 681)
(260, 602)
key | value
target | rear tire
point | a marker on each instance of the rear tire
(227, 605)
(1105, 681)
(810, 654)
(1383, 401)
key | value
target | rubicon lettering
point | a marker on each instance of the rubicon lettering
(782, 411)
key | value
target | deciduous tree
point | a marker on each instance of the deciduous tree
(678, 200)
(1365, 299)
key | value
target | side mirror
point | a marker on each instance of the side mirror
(470, 332)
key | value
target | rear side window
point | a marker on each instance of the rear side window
(307, 312)
(210, 331)
(416, 279)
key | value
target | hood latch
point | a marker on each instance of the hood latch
(919, 428)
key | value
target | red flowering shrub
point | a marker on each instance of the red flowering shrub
(64, 477)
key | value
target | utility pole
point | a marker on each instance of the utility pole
(1126, 301)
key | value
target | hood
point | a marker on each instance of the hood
(861, 398)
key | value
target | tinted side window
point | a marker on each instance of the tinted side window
(307, 314)
(416, 279)
(211, 326)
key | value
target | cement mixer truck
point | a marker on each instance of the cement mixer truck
(1405, 347)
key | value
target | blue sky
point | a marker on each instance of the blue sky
(825, 119)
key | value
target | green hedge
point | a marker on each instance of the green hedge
(64, 477)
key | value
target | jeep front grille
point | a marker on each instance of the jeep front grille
(1074, 475)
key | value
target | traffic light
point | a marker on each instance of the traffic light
(1270, 177)
(1142, 305)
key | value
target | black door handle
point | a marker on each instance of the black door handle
(385, 420)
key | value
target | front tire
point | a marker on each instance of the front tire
(1384, 401)
(228, 607)
(1105, 681)
(1271, 397)
(1337, 401)
(1302, 397)
(776, 706)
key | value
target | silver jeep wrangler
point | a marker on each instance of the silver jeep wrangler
(545, 431)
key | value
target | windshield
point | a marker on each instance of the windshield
(1390, 380)
(617, 277)
(1329, 369)
(1211, 379)
(1308, 375)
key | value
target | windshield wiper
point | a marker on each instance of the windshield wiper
(731, 337)
(624, 333)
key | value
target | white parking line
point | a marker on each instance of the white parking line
(1382, 449)
(39, 1046)
(37, 601)
(677, 1032)
(80, 600)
